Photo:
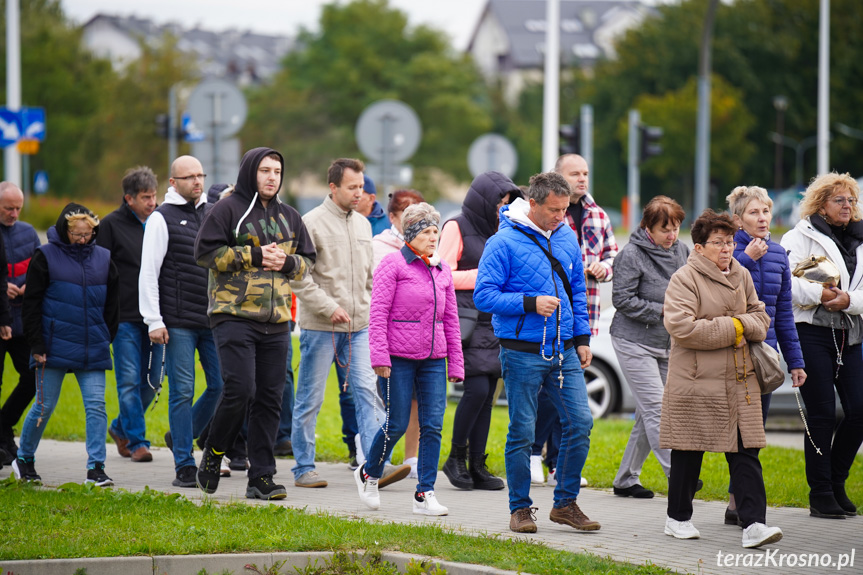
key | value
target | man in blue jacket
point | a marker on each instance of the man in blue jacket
(531, 280)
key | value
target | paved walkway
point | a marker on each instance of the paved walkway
(632, 531)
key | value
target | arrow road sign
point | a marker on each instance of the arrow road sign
(10, 127)
(33, 123)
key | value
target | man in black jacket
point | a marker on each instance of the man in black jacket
(122, 233)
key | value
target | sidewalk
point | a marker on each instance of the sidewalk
(632, 530)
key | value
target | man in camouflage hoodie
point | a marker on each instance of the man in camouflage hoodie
(253, 245)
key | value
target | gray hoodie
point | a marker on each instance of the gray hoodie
(642, 271)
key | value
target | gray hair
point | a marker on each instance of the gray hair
(545, 183)
(418, 217)
(137, 180)
(740, 197)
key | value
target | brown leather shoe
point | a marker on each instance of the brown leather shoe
(142, 455)
(573, 516)
(523, 520)
(122, 444)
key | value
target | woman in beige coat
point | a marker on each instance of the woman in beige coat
(712, 400)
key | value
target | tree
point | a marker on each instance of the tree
(365, 51)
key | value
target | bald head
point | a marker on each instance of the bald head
(11, 202)
(187, 177)
(574, 169)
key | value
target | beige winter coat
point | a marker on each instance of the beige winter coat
(704, 404)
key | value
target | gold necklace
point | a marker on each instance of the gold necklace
(737, 374)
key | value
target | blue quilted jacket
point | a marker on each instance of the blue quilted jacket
(513, 271)
(771, 275)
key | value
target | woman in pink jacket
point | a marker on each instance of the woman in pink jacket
(413, 331)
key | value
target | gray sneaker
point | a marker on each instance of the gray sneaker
(393, 473)
(310, 479)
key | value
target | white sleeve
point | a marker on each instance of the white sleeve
(152, 256)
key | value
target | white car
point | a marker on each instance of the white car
(608, 392)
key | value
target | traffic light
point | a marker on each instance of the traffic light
(650, 145)
(570, 135)
(162, 123)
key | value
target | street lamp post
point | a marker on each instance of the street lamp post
(781, 104)
(799, 148)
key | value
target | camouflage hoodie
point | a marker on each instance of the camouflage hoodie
(229, 244)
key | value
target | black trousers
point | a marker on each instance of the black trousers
(473, 414)
(838, 441)
(23, 394)
(253, 368)
(746, 478)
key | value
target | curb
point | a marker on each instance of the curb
(215, 564)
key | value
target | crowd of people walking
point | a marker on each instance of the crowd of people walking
(401, 302)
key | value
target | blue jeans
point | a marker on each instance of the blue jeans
(348, 409)
(548, 430)
(48, 385)
(316, 359)
(524, 374)
(286, 420)
(131, 355)
(428, 377)
(187, 421)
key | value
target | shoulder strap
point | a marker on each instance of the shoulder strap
(555, 263)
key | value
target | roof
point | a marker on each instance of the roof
(587, 28)
(226, 53)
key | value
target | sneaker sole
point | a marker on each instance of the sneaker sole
(178, 483)
(101, 483)
(772, 539)
(456, 482)
(588, 527)
(400, 473)
(527, 529)
(255, 493)
(207, 489)
(820, 515)
(315, 485)
(676, 536)
(429, 512)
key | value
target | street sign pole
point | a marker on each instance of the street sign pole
(11, 157)
(172, 126)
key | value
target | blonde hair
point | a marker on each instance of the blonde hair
(822, 187)
(740, 197)
(91, 218)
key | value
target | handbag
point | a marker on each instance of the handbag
(765, 362)
(467, 317)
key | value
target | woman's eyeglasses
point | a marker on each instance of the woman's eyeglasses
(719, 245)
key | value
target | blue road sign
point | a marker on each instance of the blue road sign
(33, 123)
(192, 133)
(40, 182)
(10, 127)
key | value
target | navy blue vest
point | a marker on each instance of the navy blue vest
(183, 295)
(73, 309)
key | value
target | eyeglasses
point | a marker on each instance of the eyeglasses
(86, 236)
(719, 245)
(192, 177)
(842, 201)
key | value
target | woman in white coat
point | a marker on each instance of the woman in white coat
(831, 331)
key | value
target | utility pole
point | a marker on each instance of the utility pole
(11, 157)
(551, 88)
(824, 88)
(702, 136)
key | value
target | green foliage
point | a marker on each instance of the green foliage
(365, 52)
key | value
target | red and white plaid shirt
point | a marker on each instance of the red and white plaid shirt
(597, 245)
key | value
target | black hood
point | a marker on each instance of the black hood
(485, 193)
(247, 179)
(62, 225)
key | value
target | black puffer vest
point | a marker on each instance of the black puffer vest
(183, 295)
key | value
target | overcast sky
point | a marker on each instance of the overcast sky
(456, 17)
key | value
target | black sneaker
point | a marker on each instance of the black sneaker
(239, 464)
(263, 488)
(97, 475)
(186, 477)
(169, 441)
(26, 470)
(209, 472)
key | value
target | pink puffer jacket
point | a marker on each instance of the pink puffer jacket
(407, 296)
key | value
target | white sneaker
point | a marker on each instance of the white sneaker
(583, 482)
(412, 461)
(552, 478)
(536, 475)
(681, 529)
(428, 504)
(361, 457)
(224, 468)
(367, 489)
(759, 534)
